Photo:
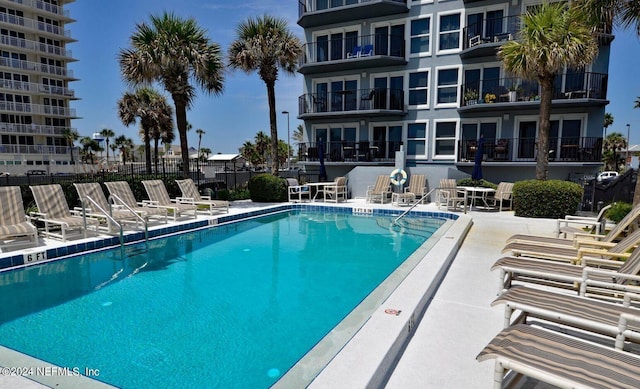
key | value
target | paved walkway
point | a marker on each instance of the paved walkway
(459, 321)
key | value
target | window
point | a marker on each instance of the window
(449, 38)
(420, 36)
(447, 86)
(419, 88)
(417, 139)
(445, 139)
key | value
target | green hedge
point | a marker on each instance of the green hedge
(477, 183)
(618, 211)
(546, 199)
(267, 188)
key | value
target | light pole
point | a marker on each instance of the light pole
(288, 144)
(626, 158)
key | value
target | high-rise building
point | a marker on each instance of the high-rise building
(424, 75)
(34, 92)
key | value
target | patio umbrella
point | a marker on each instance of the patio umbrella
(476, 173)
(322, 176)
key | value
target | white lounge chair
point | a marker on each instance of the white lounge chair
(190, 195)
(159, 197)
(15, 229)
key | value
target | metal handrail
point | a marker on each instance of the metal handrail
(104, 213)
(144, 221)
(413, 206)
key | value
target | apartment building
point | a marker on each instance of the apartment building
(423, 76)
(34, 90)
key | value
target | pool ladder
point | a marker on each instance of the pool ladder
(395, 221)
(112, 222)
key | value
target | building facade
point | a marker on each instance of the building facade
(34, 92)
(423, 76)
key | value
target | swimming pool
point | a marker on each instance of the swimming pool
(232, 306)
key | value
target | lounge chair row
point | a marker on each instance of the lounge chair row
(97, 212)
(586, 288)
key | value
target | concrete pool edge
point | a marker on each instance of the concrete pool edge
(377, 346)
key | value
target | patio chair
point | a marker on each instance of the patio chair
(381, 191)
(54, 212)
(120, 194)
(15, 229)
(190, 195)
(503, 193)
(95, 203)
(337, 191)
(575, 254)
(534, 242)
(449, 195)
(595, 224)
(159, 197)
(600, 274)
(417, 187)
(297, 192)
(585, 313)
(559, 359)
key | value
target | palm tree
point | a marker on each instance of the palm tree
(552, 36)
(604, 14)
(613, 143)
(173, 51)
(88, 145)
(265, 44)
(608, 120)
(261, 147)
(204, 153)
(153, 111)
(107, 133)
(636, 104)
(70, 136)
(113, 148)
(298, 134)
(125, 145)
(200, 132)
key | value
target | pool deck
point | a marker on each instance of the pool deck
(457, 324)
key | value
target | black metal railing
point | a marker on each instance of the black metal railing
(305, 6)
(357, 47)
(352, 100)
(578, 85)
(349, 151)
(491, 31)
(566, 149)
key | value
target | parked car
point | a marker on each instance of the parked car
(36, 172)
(606, 176)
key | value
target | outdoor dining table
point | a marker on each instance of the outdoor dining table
(317, 188)
(476, 193)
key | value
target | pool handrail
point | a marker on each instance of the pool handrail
(413, 206)
(144, 221)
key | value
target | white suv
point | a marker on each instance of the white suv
(606, 176)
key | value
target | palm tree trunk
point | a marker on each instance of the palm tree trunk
(155, 153)
(106, 141)
(271, 94)
(147, 150)
(181, 122)
(542, 161)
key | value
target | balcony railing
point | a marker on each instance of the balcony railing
(35, 67)
(43, 6)
(567, 149)
(353, 48)
(35, 46)
(31, 129)
(37, 109)
(34, 25)
(305, 6)
(352, 100)
(491, 31)
(350, 151)
(33, 87)
(33, 149)
(584, 85)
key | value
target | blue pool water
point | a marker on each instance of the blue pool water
(231, 306)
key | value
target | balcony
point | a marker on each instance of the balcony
(584, 88)
(352, 53)
(36, 129)
(313, 13)
(35, 25)
(483, 39)
(36, 67)
(352, 103)
(350, 151)
(30, 87)
(10, 106)
(34, 149)
(35, 46)
(568, 150)
(41, 5)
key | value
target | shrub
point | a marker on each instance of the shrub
(618, 211)
(546, 199)
(267, 188)
(481, 183)
(234, 194)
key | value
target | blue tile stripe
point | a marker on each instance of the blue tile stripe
(110, 242)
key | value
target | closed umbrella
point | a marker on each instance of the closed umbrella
(323, 172)
(476, 173)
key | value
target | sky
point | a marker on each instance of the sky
(103, 28)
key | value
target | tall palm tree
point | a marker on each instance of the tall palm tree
(200, 132)
(125, 145)
(204, 153)
(70, 136)
(261, 147)
(153, 111)
(107, 133)
(298, 134)
(88, 146)
(172, 51)
(265, 44)
(553, 36)
(605, 14)
(613, 143)
(608, 120)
